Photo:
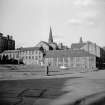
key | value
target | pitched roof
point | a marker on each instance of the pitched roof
(77, 45)
(50, 45)
(29, 48)
(43, 43)
(67, 53)
(10, 51)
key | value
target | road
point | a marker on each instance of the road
(68, 89)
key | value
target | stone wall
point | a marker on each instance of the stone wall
(82, 63)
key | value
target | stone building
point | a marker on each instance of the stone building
(92, 48)
(32, 55)
(12, 54)
(76, 46)
(72, 59)
(6, 43)
(44, 45)
(28, 55)
(51, 45)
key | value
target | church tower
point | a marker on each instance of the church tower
(50, 40)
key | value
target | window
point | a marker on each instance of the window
(10, 56)
(39, 56)
(22, 52)
(29, 57)
(32, 52)
(36, 52)
(13, 56)
(26, 52)
(32, 57)
(26, 57)
(39, 52)
(91, 58)
(17, 56)
(36, 58)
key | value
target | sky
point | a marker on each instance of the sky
(29, 21)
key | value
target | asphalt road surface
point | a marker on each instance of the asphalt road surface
(68, 89)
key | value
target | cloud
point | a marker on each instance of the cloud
(83, 22)
(83, 2)
(83, 18)
(86, 12)
(74, 21)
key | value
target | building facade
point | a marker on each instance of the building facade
(6, 43)
(32, 55)
(72, 59)
(29, 55)
(90, 47)
(12, 54)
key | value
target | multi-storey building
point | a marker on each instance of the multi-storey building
(92, 48)
(32, 55)
(12, 54)
(28, 55)
(6, 43)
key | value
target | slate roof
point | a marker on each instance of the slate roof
(43, 43)
(29, 48)
(50, 45)
(67, 53)
(10, 51)
(22, 49)
(77, 45)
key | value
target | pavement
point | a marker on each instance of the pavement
(69, 89)
(88, 90)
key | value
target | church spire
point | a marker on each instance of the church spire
(50, 40)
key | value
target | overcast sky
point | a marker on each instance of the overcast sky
(29, 21)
